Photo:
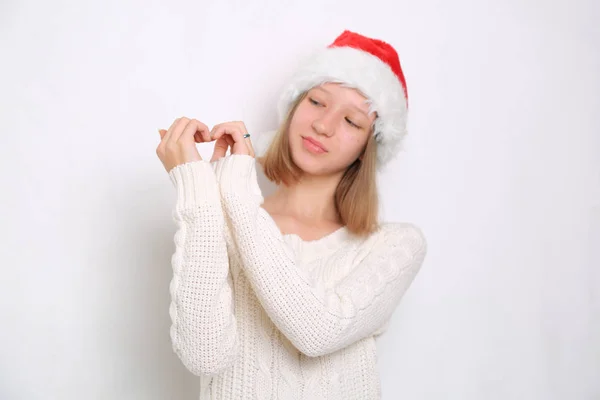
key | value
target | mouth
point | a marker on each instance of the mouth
(313, 145)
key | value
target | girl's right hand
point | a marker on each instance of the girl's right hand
(178, 145)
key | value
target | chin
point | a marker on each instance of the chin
(312, 164)
(308, 163)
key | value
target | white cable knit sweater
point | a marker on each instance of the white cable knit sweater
(261, 315)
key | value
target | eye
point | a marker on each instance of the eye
(352, 123)
(314, 102)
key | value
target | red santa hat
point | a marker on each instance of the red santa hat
(369, 65)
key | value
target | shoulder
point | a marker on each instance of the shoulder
(403, 232)
(401, 238)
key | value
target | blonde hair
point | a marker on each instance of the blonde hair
(356, 197)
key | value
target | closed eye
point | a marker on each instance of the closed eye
(313, 101)
(352, 123)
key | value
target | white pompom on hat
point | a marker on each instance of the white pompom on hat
(369, 65)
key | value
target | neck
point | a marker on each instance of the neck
(312, 199)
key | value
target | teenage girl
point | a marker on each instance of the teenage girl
(282, 297)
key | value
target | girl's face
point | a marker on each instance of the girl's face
(338, 119)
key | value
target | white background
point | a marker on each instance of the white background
(501, 169)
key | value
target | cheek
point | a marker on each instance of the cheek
(351, 142)
(302, 116)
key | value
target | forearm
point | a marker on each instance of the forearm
(204, 330)
(317, 320)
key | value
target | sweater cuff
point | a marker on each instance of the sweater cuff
(236, 174)
(195, 183)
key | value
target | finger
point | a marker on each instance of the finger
(162, 133)
(203, 136)
(216, 131)
(244, 131)
(170, 130)
(191, 129)
(177, 130)
(239, 145)
(249, 145)
(220, 150)
(225, 128)
(248, 141)
(223, 144)
(204, 133)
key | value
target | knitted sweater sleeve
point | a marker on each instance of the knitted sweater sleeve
(203, 329)
(317, 319)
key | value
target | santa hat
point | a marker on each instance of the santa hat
(369, 65)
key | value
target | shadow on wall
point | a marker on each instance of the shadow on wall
(266, 186)
(143, 251)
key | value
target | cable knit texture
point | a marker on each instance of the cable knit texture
(258, 314)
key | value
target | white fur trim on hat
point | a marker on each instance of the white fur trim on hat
(369, 75)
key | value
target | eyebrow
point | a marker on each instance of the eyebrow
(351, 105)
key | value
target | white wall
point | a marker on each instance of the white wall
(501, 170)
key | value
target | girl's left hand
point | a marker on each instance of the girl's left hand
(231, 134)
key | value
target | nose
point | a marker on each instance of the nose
(325, 124)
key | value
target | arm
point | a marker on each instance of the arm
(316, 319)
(204, 329)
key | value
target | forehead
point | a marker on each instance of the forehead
(344, 94)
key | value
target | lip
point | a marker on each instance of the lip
(315, 142)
